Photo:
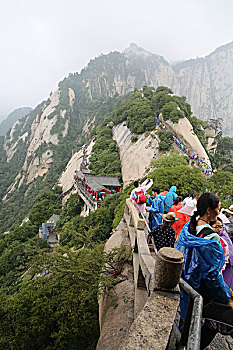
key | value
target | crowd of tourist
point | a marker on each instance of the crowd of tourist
(192, 155)
(207, 248)
(204, 235)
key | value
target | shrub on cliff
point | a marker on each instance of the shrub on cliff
(105, 158)
(72, 208)
(159, 100)
(138, 113)
(47, 204)
(166, 140)
(174, 170)
(95, 228)
(58, 309)
(223, 155)
(171, 112)
(139, 110)
(222, 181)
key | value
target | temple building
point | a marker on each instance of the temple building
(96, 187)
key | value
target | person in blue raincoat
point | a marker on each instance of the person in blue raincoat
(203, 262)
(156, 210)
(169, 199)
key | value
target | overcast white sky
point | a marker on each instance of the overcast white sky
(42, 41)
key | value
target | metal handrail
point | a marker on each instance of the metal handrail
(190, 338)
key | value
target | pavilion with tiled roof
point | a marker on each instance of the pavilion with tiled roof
(97, 187)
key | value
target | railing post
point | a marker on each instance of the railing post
(168, 267)
(191, 334)
(131, 223)
(126, 208)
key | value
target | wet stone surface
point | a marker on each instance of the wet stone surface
(221, 342)
(151, 329)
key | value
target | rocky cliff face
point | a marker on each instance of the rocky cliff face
(67, 177)
(184, 131)
(34, 138)
(135, 156)
(120, 73)
(206, 82)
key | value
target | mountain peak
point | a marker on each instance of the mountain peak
(134, 49)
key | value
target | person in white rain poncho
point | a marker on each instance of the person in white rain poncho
(138, 196)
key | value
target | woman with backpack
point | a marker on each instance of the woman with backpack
(138, 196)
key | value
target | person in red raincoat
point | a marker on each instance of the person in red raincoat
(183, 218)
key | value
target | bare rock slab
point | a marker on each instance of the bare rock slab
(152, 328)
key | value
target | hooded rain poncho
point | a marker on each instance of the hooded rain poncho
(203, 262)
(169, 199)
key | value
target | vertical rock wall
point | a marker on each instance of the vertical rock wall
(135, 156)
